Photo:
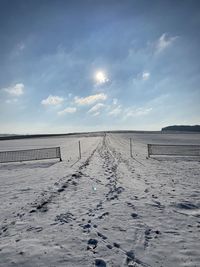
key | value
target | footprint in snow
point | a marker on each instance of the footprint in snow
(100, 263)
(65, 218)
(134, 215)
(103, 215)
(92, 245)
(102, 236)
(129, 204)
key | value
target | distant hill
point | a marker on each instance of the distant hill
(7, 135)
(182, 128)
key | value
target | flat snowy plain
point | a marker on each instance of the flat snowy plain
(107, 209)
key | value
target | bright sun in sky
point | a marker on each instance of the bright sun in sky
(100, 77)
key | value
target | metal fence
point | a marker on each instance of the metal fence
(173, 150)
(30, 154)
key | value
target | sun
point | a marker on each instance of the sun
(100, 77)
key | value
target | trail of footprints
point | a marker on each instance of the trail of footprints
(87, 225)
(95, 214)
(113, 193)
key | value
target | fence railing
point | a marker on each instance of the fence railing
(173, 150)
(30, 154)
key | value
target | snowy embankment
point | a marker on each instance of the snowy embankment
(107, 209)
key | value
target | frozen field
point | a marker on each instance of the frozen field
(107, 209)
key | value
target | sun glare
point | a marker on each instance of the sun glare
(100, 77)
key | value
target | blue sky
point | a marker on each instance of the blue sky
(69, 66)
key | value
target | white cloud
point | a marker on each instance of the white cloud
(164, 41)
(96, 108)
(52, 100)
(145, 75)
(96, 114)
(16, 90)
(137, 112)
(116, 111)
(66, 111)
(143, 111)
(90, 99)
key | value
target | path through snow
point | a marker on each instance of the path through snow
(106, 210)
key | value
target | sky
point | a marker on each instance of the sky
(88, 65)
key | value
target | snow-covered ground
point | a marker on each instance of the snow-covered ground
(107, 209)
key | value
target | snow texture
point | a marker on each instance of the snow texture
(105, 209)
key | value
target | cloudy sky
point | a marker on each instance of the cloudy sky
(86, 65)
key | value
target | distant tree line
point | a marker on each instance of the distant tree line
(183, 128)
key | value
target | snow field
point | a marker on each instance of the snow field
(107, 209)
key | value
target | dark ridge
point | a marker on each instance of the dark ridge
(182, 128)
(81, 134)
(11, 137)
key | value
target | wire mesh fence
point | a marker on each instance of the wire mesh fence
(173, 150)
(30, 154)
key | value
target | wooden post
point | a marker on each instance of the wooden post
(148, 150)
(131, 152)
(60, 154)
(79, 145)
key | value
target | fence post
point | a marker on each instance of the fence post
(79, 145)
(148, 149)
(131, 152)
(59, 154)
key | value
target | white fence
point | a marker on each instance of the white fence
(173, 150)
(30, 154)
